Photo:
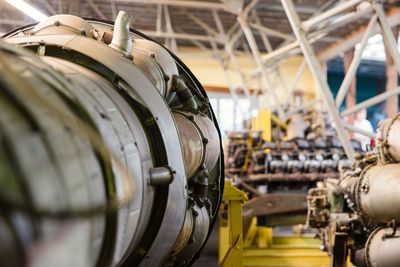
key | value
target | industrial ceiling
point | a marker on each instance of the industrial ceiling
(192, 22)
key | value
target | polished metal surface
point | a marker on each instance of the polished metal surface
(378, 192)
(191, 142)
(108, 143)
(388, 139)
(358, 214)
(382, 248)
(210, 140)
(162, 57)
(199, 140)
(161, 176)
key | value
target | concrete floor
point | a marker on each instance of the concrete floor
(209, 255)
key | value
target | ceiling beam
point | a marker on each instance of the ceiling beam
(182, 3)
(272, 32)
(49, 7)
(14, 22)
(96, 9)
(349, 41)
(176, 35)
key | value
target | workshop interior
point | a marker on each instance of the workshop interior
(229, 133)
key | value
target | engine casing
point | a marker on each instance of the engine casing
(95, 168)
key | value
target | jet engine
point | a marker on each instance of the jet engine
(110, 154)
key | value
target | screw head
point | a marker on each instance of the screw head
(365, 188)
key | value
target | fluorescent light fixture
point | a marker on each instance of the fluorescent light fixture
(28, 9)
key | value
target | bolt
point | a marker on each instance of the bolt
(364, 188)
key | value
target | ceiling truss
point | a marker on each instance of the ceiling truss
(270, 30)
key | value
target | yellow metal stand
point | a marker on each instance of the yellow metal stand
(261, 248)
(263, 122)
(231, 236)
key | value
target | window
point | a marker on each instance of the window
(230, 114)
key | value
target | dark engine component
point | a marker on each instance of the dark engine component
(278, 174)
(358, 215)
(109, 150)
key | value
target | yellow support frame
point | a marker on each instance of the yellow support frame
(261, 248)
(231, 252)
(263, 122)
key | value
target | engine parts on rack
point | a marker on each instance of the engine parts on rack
(358, 215)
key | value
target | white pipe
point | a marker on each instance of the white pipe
(371, 101)
(306, 25)
(121, 40)
(344, 87)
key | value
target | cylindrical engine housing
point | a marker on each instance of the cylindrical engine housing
(378, 193)
(382, 248)
(388, 140)
(92, 170)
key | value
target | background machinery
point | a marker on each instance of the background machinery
(277, 173)
(357, 215)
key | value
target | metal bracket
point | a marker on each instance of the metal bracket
(235, 198)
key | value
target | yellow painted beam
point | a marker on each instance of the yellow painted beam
(263, 123)
(284, 250)
(231, 250)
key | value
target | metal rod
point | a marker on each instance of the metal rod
(236, 36)
(342, 21)
(264, 38)
(49, 7)
(180, 3)
(280, 52)
(159, 18)
(370, 102)
(249, 8)
(233, 29)
(218, 22)
(315, 68)
(292, 48)
(344, 87)
(60, 6)
(174, 46)
(307, 24)
(323, 8)
(178, 35)
(296, 80)
(249, 188)
(358, 130)
(96, 9)
(202, 24)
(268, 47)
(388, 35)
(257, 56)
(271, 32)
(229, 51)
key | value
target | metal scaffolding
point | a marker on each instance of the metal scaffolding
(250, 33)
